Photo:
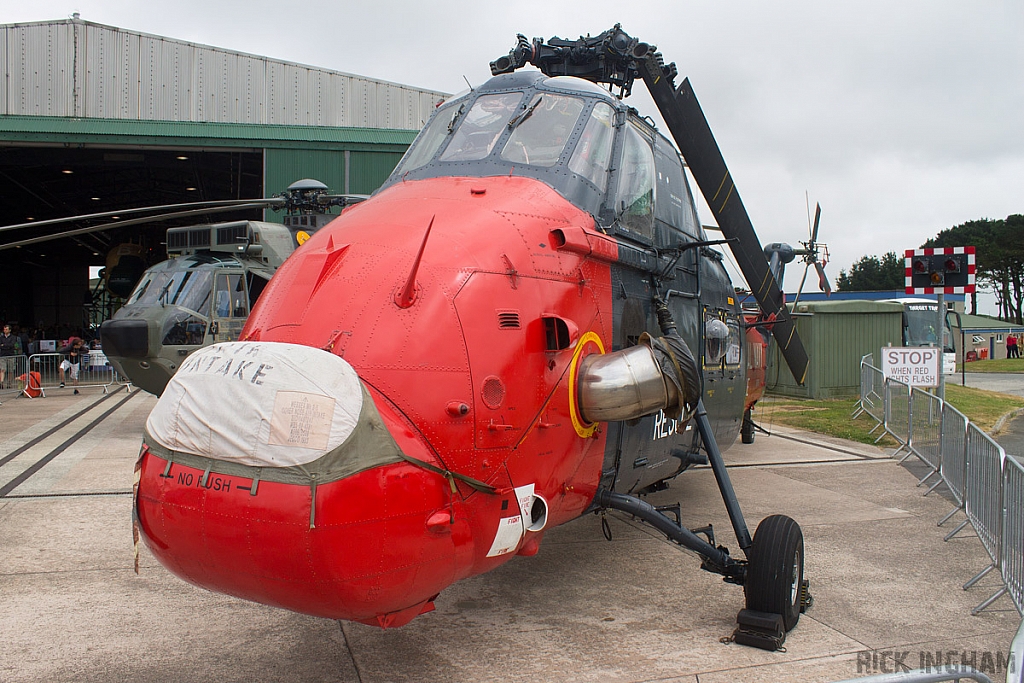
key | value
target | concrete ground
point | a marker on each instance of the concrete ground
(886, 586)
(1004, 382)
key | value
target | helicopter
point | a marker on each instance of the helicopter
(779, 254)
(202, 294)
(526, 323)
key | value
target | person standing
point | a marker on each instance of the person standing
(72, 361)
(1012, 350)
(10, 346)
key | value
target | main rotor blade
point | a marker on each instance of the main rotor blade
(230, 203)
(132, 221)
(691, 131)
(817, 217)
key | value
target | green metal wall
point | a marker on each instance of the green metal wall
(369, 169)
(837, 334)
(366, 170)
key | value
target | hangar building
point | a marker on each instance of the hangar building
(95, 118)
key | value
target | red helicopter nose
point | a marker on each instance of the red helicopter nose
(270, 473)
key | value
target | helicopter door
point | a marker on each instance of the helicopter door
(230, 306)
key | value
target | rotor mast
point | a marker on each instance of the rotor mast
(617, 59)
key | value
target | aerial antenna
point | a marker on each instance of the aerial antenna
(407, 296)
(467, 82)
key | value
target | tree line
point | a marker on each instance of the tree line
(999, 264)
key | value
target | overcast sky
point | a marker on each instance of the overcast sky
(902, 118)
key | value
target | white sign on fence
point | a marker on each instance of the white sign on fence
(916, 366)
(949, 364)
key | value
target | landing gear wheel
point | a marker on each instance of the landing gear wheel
(747, 428)
(776, 570)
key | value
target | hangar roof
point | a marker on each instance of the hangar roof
(75, 68)
(154, 133)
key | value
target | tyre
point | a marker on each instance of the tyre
(747, 428)
(775, 572)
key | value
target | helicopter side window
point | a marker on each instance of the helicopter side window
(230, 299)
(732, 348)
(256, 284)
(593, 155)
(481, 127)
(541, 130)
(430, 138)
(635, 196)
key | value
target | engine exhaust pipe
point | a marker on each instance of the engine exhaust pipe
(624, 385)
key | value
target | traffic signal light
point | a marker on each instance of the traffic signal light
(941, 268)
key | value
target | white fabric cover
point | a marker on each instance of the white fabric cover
(263, 404)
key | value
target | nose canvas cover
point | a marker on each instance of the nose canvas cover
(270, 405)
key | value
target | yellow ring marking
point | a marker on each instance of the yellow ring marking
(584, 430)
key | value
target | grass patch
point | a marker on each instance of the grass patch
(1010, 365)
(983, 408)
(832, 417)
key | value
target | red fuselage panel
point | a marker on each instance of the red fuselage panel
(472, 377)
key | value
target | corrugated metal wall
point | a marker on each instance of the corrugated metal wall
(836, 338)
(366, 170)
(369, 169)
(284, 166)
(76, 68)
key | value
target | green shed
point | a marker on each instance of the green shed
(836, 334)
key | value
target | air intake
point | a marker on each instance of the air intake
(509, 320)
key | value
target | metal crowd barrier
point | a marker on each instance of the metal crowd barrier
(897, 413)
(872, 392)
(985, 499)
(926, 431)
(1013, 531)
(14, 369)
(48, 365)
(953, 469)
(858, 407)
(986, 484)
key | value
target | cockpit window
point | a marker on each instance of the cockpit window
(481, 126)
(429, 140)
(635, 196)
(186, 288)
(541, 130)
(141, 288)
(593, 155)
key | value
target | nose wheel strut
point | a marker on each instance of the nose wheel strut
(772, 576)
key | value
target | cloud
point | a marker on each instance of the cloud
(901, 118)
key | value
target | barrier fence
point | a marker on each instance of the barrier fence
(954, 455)
(986, 484)
(926, 430)
(32, 376)
(1013, 530)
(872, 395)
(897, 413)
(11, 369)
